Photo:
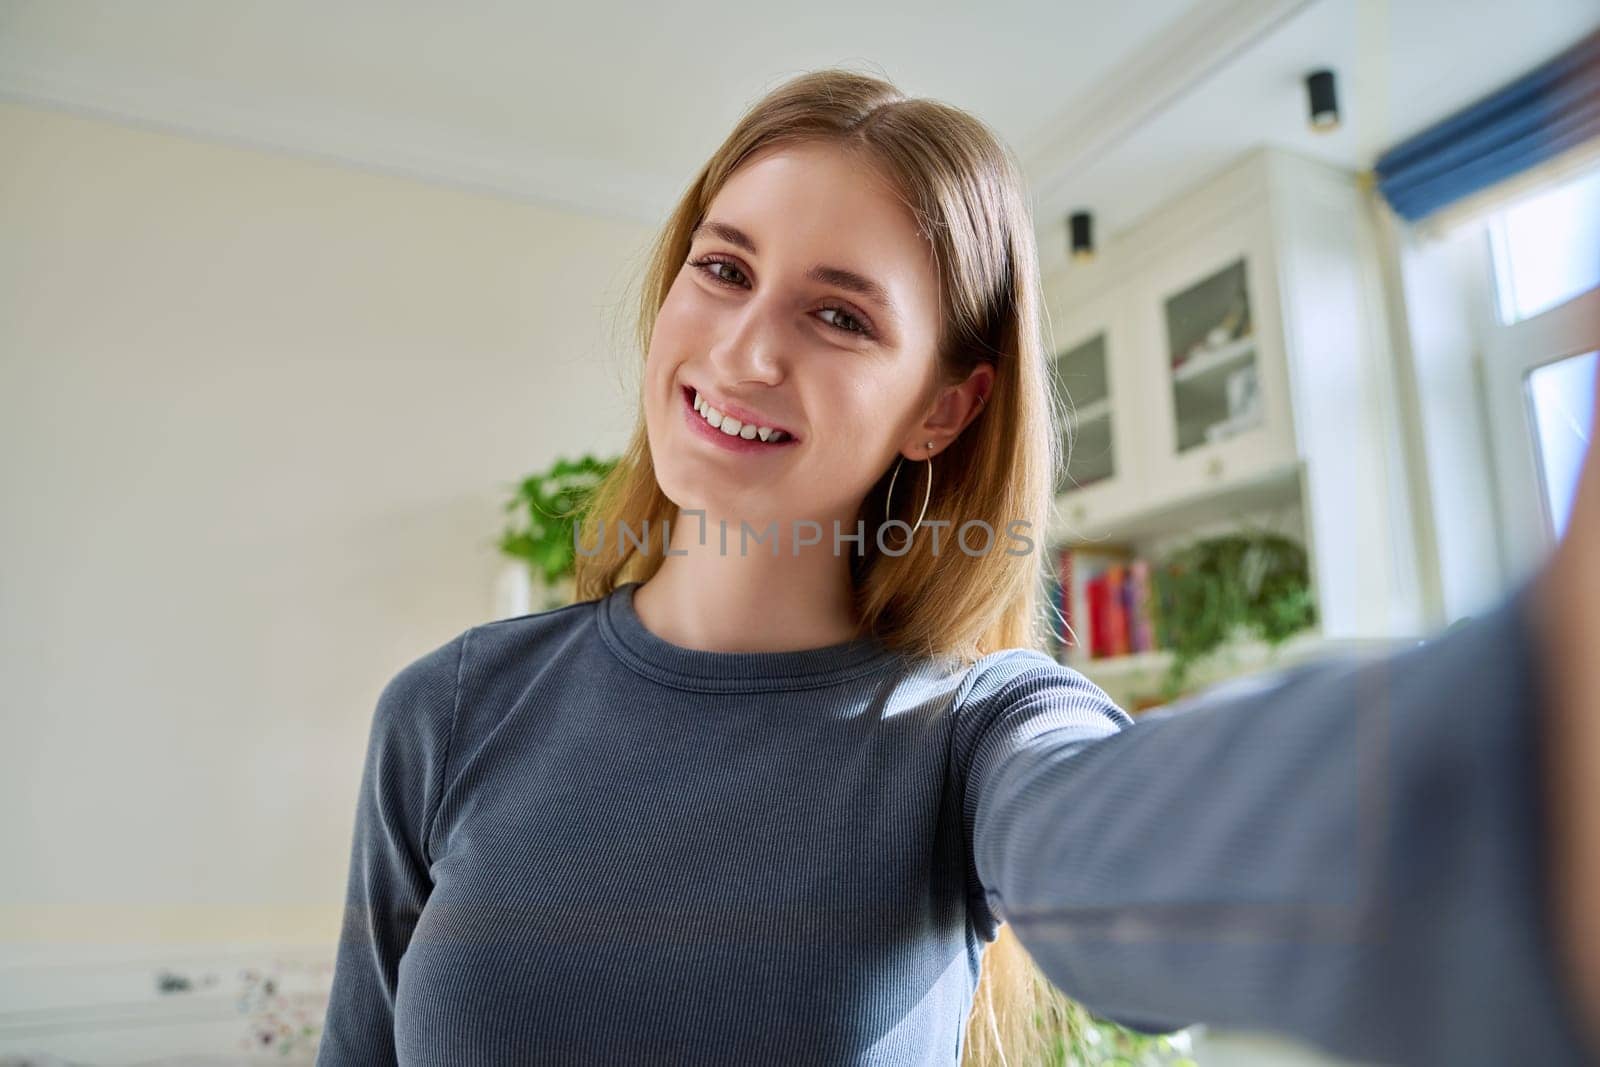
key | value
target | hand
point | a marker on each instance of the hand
(1566, 623)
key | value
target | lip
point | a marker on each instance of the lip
(730, 442)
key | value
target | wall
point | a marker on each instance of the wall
(258, 416)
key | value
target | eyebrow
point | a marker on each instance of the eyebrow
(836, 276)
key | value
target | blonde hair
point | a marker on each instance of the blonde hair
(966, 193)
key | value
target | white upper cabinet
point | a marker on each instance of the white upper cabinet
(1230, 352)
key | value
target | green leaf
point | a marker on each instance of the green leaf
(552, 502)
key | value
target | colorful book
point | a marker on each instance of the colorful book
(1142, 636)
(1116, 610)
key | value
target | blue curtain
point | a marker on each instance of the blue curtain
(1541, 114)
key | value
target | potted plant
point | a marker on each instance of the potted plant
(1077, 1037)
(1218, 589)
(546, 507)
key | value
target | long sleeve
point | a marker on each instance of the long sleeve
(1349, 852)
(388, 878)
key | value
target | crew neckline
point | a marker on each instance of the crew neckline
(692, 668)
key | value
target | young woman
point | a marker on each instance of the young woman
(770, 801)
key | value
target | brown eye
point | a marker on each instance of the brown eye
(856, 325)
(709, 267)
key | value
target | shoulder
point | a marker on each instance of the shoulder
(1011, 697)
(422, 694)
(461, 688)
(995, 670)
(431, 682)
(523, 642)
(419, 707)
(1002, 681)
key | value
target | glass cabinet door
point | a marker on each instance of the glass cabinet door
(1082, 383)
(1097, 394)
(1213, 346)
(1212, 360)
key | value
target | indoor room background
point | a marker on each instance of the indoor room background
(294, 298)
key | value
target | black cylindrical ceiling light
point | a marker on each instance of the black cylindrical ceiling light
(1082, 239)
(1324, 101)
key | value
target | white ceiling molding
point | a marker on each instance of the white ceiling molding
(1174, 63)
(315, 129)
(608, 111)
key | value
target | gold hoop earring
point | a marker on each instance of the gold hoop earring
(926, 493)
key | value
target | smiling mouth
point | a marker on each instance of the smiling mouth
(746, 432)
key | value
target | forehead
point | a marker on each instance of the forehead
(817, 203)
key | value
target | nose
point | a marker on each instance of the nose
(752, 342)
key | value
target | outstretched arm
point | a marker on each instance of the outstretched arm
(1351, 852)
(1566, 611)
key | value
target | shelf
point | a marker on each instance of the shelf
(1091, 412)
(1245, 420)
(1202, 504)
(1239, 657)
(1217, 359)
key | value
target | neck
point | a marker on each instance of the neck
(728, 596)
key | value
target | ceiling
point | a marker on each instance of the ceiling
(608, 108)
(1400, 65)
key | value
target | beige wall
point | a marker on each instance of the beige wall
(258, 416)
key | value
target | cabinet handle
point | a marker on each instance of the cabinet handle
(1214, 468)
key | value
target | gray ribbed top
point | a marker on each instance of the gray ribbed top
(577, 843)
(726, 672)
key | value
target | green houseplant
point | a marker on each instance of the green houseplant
(545, 508)
(1213, 590)
(1084, 1039)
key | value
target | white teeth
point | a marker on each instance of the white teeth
(733, 427)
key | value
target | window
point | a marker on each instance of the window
(1546, 247)
(1561, 395)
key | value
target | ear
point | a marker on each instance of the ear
(952, 410)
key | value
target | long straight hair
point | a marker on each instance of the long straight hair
(966, 193)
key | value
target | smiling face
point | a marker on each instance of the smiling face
(809, 303)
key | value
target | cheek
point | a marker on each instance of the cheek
(852, 436)
(671, 339)
(678, 312)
